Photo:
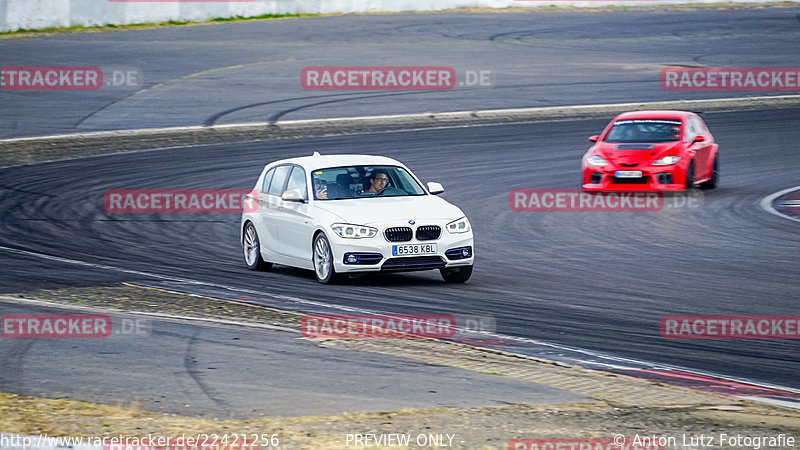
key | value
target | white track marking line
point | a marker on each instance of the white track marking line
(174, 278)
(766, 203)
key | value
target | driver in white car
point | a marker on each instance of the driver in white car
(377, 181)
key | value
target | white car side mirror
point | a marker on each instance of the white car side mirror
(293, 195)
(435, 188)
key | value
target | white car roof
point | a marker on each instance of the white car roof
(318, 161)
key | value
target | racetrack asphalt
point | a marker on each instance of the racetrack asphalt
(594, 280)
(226, 372)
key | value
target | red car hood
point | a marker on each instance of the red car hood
(630, 154)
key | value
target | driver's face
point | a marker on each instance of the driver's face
(379, 182)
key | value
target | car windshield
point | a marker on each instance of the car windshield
(644, 130)
(350, 182)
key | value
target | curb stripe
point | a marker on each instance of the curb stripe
(766, 203)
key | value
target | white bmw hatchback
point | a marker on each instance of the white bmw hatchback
(347, 214)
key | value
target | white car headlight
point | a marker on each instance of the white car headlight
(596, 161)
(350, 231)
(458, 226)
(667, 161)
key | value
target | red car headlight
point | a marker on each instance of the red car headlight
(667, 161)
(596, 161)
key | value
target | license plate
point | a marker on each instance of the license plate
(628, 174)
(413, 249)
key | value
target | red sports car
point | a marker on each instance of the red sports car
(652, 151)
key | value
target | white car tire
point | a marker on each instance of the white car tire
(323, 261)
(252, 249)
(458, 274)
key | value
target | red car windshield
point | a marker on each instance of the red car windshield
(644, 130)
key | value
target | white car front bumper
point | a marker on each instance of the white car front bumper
(378, 253)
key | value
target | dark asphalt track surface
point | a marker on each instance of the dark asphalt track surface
(599, 281)
(231, 372)
(540, 58)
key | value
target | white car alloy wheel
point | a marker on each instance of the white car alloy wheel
(252, 249)
(323, 260)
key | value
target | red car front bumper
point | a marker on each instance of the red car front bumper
(652, 179)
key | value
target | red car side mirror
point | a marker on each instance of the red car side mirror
(594, 138)
(698, 139)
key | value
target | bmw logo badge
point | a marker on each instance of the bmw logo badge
(411, 222)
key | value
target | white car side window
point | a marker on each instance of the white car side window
(297, 180)
(279, 180)
(267, 180)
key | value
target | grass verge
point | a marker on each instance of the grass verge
(49, 31)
